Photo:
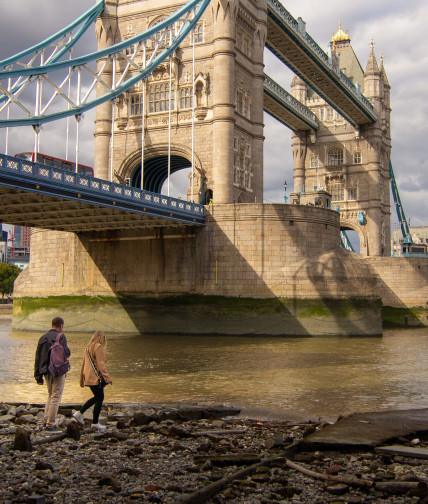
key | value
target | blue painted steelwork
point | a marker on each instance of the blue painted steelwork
(63, 46)
(290, 26)
(399, 208)
(345, 241)
(37, 178)
(85, 20)
(286, 100)
(195, 7)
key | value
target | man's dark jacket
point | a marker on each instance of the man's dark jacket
(42, 353)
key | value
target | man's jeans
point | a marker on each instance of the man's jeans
(55, 390)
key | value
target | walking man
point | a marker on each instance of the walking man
(55, 385)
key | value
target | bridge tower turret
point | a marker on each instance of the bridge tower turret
(349, 162)
(223, 134)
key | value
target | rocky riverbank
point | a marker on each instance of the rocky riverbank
(190, 455)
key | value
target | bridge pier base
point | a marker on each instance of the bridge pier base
(253, 269)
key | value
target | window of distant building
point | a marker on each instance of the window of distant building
(329, 114)
(335, 157)
(322, 114)
(357, 157)
(159, 97)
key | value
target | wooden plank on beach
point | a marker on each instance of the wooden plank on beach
(404, 451)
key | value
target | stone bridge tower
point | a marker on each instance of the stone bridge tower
(351, 164)
(228, 124)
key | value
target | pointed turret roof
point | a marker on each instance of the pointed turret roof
(382, 72)
(343, 54)
(372, 66)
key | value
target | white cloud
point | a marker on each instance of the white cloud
(397, 28)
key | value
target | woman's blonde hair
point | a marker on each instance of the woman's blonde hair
(97, 337)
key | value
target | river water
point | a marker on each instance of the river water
(268, 377)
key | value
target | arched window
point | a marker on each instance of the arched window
(135, 103)
(335, 157)
(314, 162)
(185, 97)
(199, 33)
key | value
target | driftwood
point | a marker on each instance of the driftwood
(355, 482)
(209, 491)
(228, 460)
(218, 432)
(392, 487)
(397, 487)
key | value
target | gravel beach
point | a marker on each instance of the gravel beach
(190, 455)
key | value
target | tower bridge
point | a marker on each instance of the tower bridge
(182, 85)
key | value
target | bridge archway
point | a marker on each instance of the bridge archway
(156, 170)
(362, 235)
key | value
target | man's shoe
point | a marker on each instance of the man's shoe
(54, 429)
(78, 417)
(98, 426)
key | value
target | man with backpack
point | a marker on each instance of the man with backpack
(44, 367)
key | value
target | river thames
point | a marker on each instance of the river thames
(268, 377)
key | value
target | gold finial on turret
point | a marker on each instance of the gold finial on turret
(340, 34)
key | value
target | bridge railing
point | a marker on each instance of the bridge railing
(288, 20)
(97, 186)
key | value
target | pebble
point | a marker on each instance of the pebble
(156, 454)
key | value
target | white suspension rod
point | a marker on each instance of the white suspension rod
(143, 107)
(112, 139)
(113, 102)
(78, 118)
(67, 131)
(169, 124)
(193, 115)
(8, 115)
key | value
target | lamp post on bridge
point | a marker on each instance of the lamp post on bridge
(285, 191)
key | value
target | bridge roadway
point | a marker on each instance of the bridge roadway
(35, 195)
(281, 105)
(288, 40)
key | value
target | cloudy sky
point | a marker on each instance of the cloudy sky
(397, 28)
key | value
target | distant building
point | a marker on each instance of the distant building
(25, 237)
(3, 245)
(21, 257)
(419, 236)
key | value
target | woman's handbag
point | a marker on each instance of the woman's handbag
(94, 367)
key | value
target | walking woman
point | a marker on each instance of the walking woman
(93, 374)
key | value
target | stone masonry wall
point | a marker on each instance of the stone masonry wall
(403, 280)
(247, 250)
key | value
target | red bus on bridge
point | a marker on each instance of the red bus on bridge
(55, 162)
